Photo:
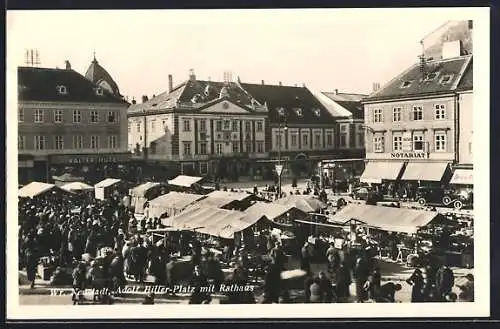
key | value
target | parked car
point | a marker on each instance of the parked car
(366, 193)
(454, 197)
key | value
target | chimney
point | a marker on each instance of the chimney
(336, 91)
(262, 82)
(376, 86)
(170, 83)
(452, 49)
(192, 76)
(68, 65)
(280, 84)
(303, 85)
(144, 98)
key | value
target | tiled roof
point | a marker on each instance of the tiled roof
(163, 101)
(290, 99)
(351, 102)
(467, 79)
(41, 84)
(96, 73)
(452, 68)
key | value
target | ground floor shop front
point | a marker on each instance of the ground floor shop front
(91, 167)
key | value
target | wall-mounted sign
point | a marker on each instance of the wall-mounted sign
(409, 155)
(89, 159)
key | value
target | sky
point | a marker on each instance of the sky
(324, 49)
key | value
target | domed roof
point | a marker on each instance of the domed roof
(98, 75)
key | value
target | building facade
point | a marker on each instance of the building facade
(414, 126)
(67, 124)
(200, 128)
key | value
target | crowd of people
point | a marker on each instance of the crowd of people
(101, 244)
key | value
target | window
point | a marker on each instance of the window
(293, 140)
(78, 142)
(377, 115)
(396, 114)
(431, 76)
(138, 126)
(58, 142)
(187, 125)
(248, 146)
(21, 142)
(94, 117)
(260, 147)
(298, 111)
(440, 112)
(219, 148)
(39, 142)
(260, 126)
(77, 116)
(248, 126)
(203, 168)
(38, 116)
(397, 143)
(343, 128)
(112, 118)
(20, 115)
(94, 142)
(440, 142)
(153, 126)
(99, 91)
(317, 112)
(343, 140)
(445, 79)
(218, 125)
(236, 147)
(281, 111)
(361, 139)
(418, 143)
(62, 90)
(203, 126)
(278, 140)
(406, 84)
(305, 141)
(329, 139)
(227, 124)
(58, 116)
(317, 140)
(378, 144)
(418, 113)
(203, 148)
(235, 125)
(112, 142)
(187, 148)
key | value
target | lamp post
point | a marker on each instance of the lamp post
(285, 128)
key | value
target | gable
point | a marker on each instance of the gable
(224, 107)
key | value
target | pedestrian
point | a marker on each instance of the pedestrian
(255, 189)
(416, 280)
(360, 277)
(326, 288)
(315, 291)
(305, 261)
(445, 281)
(374, 282)
(272, 285)
(343, 281)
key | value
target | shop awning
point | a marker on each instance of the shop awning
(305, 203)
(171, 203)
(213, 221)
(376, 171)
(34, 188)
(426, 171)
(386, 218)
(463, 176)
(107, 182)
(142, 189)
(185, 181)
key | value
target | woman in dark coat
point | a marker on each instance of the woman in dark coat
(416, 280)
(31, 264)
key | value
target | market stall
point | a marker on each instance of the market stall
(171, 204)
(305, 203)
(139, 195)
(66, 178)
(35, 189)
(77, 187)
(183, 183)
(104, 189)
(228, 200)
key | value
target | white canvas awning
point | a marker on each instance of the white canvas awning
(185, 181)
(463, 177)
(76, 186)
(107, 182)
(376, 171)
(34, 188)
(425, 171)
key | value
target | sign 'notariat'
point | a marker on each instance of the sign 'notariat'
(409, 155)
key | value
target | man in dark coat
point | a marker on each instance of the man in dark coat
(444, 282)
(416, 280)
(343, 281)
(305, 261)
(31, 265)
(360, 277)
(272, 284)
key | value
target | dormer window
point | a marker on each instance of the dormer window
(298, 111)
(317, 112)
(62, 90)
(406, 84)
(99, 91)
(431, 76)
(281, 111)
(445, 79)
